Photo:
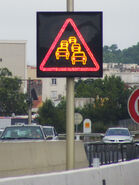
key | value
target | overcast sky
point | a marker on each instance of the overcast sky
(120, 20)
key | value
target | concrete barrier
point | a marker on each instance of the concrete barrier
(124, 173)
(26, 158)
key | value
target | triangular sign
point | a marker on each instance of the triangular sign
(69, 69)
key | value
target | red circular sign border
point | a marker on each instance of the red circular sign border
(131, 108)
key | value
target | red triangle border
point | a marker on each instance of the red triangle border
(69, 69)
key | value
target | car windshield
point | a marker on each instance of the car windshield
(119, 132)
(79, 54)
(62, 50)
(22, 132)
(48, 131)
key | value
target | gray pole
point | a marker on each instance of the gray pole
(30, 103)
(70, 5)
(70, 154)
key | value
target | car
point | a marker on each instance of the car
(23, 132)
(64, 43)
(79, 57)
(50, 133)
(117, 135)
(1, 130)
(72, 39)
(62, 53)
(76, 47)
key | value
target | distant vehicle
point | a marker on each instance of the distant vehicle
(62, 53)
(50, 133)
(64, 43)
(117, 135)
(1, 130)
(23, 132)
(79, 57)
(76, 47)
(20, 119)
(72, 39)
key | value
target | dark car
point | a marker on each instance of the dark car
(23, 132)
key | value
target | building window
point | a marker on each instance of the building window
(54, 95)
(0, 59)
(53, 81)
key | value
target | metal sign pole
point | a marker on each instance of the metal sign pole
(70, 113)
(30, 103)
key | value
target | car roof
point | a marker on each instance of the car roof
(118, 128)
(48, 127)
(23, 125)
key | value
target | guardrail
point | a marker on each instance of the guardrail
(83, 136)
(93, 136)
(111, 153)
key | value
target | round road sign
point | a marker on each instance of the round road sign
(133, 105)
(77, 118)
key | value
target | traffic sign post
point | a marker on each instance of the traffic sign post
(69, 44)
(77, 120)
(133, 105)
(87, 126)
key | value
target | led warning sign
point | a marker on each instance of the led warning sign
(69, 44)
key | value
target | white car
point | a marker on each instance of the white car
(117, 135)
(1, 130)
(22, 132)
(50, 133)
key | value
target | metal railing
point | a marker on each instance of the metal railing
(111, 153)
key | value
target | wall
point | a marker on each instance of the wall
(13, 57)
(125, 173)
(25, 158)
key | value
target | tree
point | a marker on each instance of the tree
(111, 54)
(47, 113)
(110, 100)
(54, 116)
(131, 55)
(5, 72)
(11, 99)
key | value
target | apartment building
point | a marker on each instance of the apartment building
(52, 88)
(13, 57)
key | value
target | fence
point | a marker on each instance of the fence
(111, 153)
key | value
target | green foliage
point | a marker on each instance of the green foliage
(11, 99)
(54, 116)
(5, 72)
(110, 105)
(110, 100)
(131, 55)
(127, 56)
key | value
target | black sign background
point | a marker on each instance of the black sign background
(48, 26)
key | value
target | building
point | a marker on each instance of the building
(52, 88)
(129, 73)
(13, 57)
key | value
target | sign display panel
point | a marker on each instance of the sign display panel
(69, 44)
